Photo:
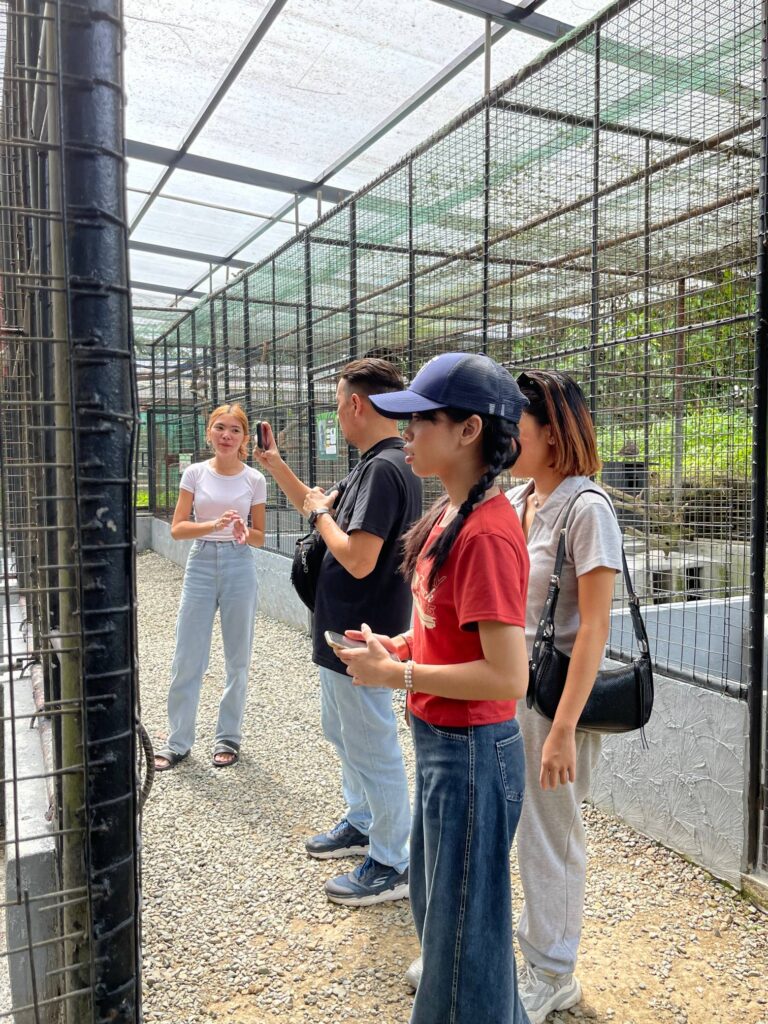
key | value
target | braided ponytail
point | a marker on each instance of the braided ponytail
(500, 451)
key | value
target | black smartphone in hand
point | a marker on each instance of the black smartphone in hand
(260, 435)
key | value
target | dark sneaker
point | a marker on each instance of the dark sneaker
(343, 840)
(370, 883)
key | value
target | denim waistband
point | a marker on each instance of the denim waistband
(218, 543)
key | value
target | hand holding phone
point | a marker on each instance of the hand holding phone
(337, 641)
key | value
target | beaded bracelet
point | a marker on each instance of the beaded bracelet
(409, 677)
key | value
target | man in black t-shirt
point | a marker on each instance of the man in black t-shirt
(360, 582)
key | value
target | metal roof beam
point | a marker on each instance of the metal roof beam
(255, 36)
(188, 254)
(166, 289)
(177, 159)
(521, 17)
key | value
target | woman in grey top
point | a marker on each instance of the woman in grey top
(559, 454)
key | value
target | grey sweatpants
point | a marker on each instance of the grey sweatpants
(551, 851)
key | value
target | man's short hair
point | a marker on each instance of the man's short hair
(370, 376)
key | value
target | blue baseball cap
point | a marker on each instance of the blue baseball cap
(460, 380)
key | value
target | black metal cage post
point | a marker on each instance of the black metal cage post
(69, 419)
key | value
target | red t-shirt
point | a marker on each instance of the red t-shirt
(484, 579)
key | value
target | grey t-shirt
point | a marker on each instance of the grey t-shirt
(593, 539)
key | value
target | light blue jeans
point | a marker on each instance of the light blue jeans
(360, 723)
(219, 574)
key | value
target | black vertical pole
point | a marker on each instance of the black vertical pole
(214, 356)
(352, 452)
(166, 418)
(151, 445)
(247, 383)
(411, 277)
(225, 345)
(310, 358)
(105, 420)
(647, 348)
(486, 219)
(353, 281)
(756, 791)
(594, 317)
(179, 408)
(198, 381)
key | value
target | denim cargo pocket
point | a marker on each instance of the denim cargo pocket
(512, 766)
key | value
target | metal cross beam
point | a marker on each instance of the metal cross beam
(257, 33)
(187, 254)
(177, 159)
(518, 16)
(165, 289)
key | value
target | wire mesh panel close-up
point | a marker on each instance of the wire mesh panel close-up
(68, 415)
(598, 214)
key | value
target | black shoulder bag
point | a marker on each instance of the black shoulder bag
(310, 550)
(621, 699)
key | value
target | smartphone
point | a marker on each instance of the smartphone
(337, 640)
(260, 435)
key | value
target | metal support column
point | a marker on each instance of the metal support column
(757, 792)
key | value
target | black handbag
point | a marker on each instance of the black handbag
(621, 699)
(310, 549)
(305, 569)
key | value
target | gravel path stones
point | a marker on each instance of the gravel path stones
(236, 926)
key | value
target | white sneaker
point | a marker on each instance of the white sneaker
(542, 992)
(413, 974)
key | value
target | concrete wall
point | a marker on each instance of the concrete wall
(688, 790)
(277, 597)
(30, 862)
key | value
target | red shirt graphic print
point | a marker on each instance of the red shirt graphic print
(484, 579)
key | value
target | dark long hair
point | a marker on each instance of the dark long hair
(556, 401)
(500, 450)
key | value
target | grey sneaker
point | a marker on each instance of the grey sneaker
(413, 974)
(542, 992)
(370, 883)
(343, 840)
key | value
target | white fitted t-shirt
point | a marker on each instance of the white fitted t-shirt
(215, 493)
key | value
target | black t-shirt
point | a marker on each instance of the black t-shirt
(381, 496)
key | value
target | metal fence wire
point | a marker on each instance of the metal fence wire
(68, 414)
(597, 213)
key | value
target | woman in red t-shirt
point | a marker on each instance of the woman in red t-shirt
(464, 666)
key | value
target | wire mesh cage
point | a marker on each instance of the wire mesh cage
(68, 414)
(598, 213)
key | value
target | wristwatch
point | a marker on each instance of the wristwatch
(317, 512)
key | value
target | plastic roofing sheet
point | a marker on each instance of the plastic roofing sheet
(175, 54)
(326, 73)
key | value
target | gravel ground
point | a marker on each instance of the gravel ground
(236, 926)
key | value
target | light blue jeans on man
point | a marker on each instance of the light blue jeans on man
(360, 723)
(219, 574)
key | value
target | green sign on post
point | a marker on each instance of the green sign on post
(327, 426)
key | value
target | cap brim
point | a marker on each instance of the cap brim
(402, 403)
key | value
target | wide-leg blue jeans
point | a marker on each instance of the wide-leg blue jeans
(219, 574)
(467, 803)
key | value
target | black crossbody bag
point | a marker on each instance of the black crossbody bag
(310, 549)
(622, 698)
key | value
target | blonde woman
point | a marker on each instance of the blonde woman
(222, 492)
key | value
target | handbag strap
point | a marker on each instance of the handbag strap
(546, 626)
